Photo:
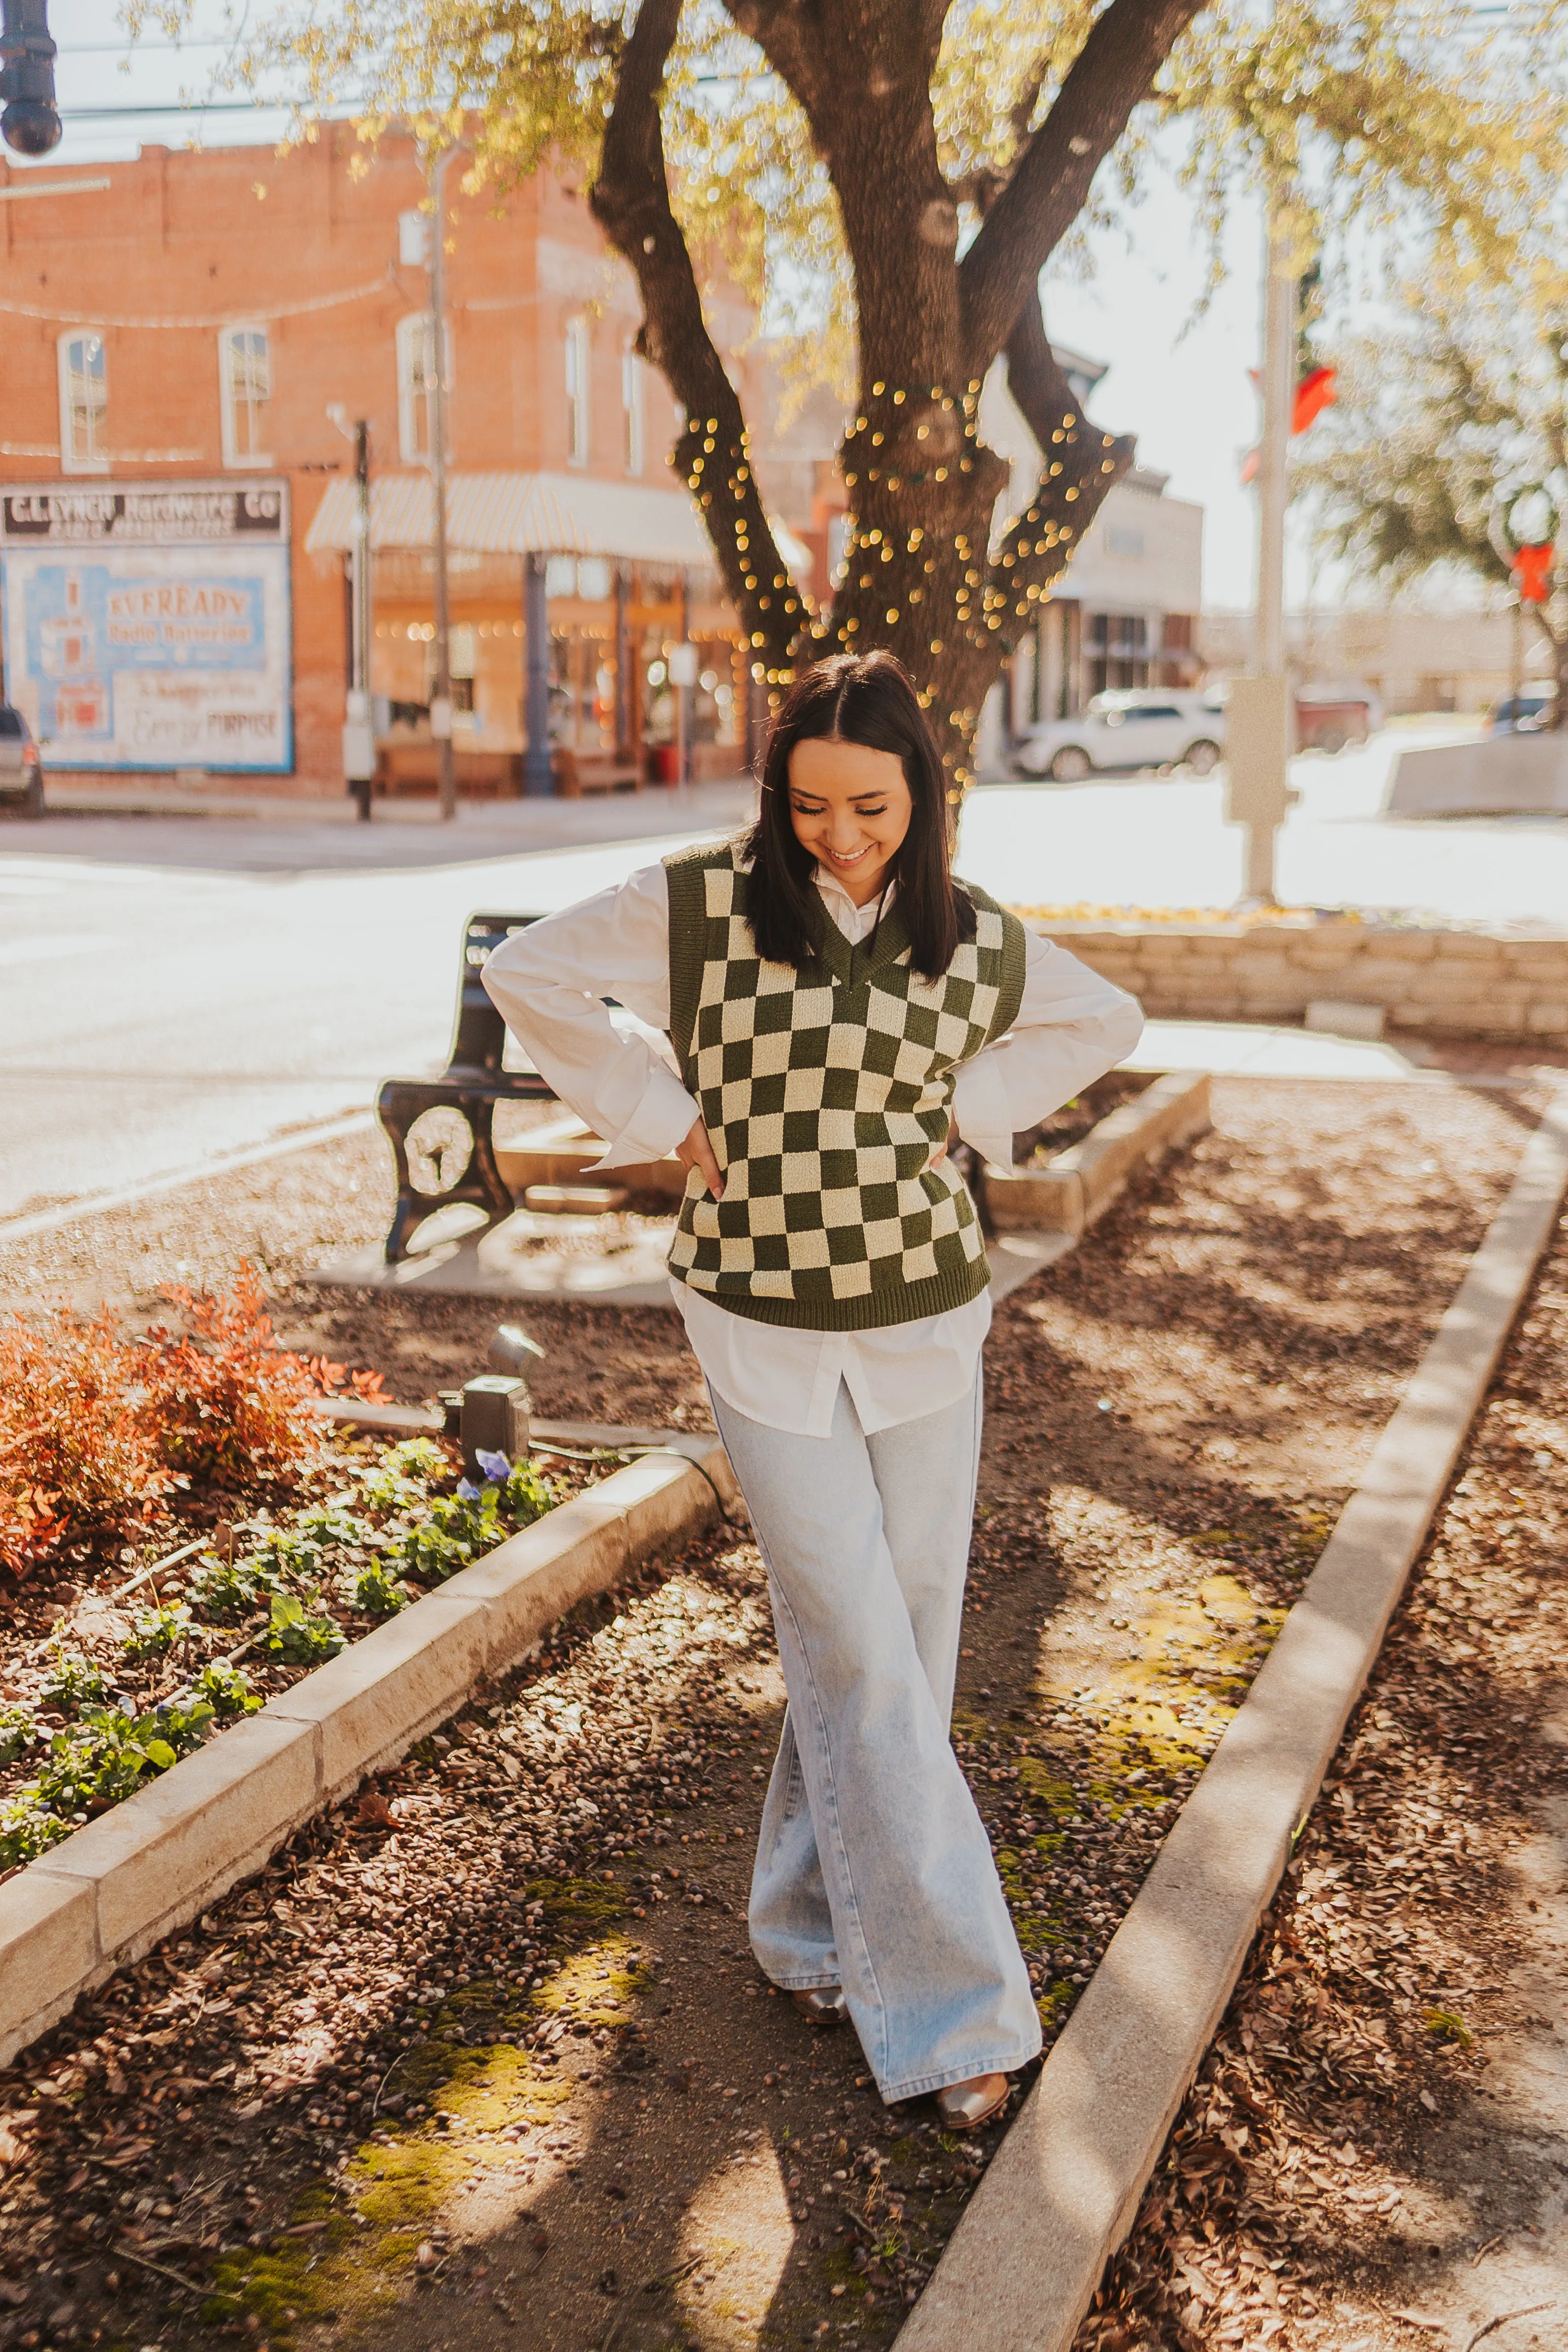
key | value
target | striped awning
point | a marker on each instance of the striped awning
(530, 514)
(518, 514)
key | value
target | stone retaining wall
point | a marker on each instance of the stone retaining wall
(1456, 983)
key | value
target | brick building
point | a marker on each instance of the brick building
(184, 341)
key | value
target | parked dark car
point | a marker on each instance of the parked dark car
(21, 770)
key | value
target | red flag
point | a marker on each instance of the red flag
(1533, 566)
(1317, 391)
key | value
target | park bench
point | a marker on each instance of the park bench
(577, 772)
(472, 1085)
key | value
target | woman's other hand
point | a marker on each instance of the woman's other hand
(695, 1152)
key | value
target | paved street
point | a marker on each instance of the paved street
(176, 988)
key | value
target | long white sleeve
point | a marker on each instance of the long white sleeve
(612, 1067)
(1071, 1027)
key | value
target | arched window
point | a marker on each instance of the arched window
(577, 392)
(631, 406)
(245, 384)
(84, 402)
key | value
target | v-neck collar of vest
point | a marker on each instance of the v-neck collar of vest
(852, 962)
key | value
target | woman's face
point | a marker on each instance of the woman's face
(851, 809)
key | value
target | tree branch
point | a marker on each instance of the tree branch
(1112, 73)
(630, 200)
(1079, 466)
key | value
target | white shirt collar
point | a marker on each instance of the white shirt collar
(856, 922)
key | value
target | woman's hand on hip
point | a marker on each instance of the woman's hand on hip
(695, 1152)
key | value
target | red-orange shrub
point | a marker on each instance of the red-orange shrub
(222, 1399)
(75, 1453)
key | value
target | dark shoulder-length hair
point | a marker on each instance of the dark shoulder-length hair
(868, 699)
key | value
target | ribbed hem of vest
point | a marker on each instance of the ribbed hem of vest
(910, 1303)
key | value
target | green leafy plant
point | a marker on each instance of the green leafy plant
(226, 1690)
(404, 1475)
(299, 1639)
(429, 1553)
(526, 1495)
(73, 1682)
(330, 1527)
(288, 1551)
(230, 1589)
(158, 1630)
(371, 1590)
(18, 1730)
(1448, 2025)
(109, 1755)
(25, 1833)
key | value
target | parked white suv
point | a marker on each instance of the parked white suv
(1134, 727)
(21, 772)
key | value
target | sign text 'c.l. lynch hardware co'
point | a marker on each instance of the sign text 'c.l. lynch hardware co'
(161, 515)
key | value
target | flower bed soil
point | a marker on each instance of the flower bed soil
(610, 2133)
(110, 1671)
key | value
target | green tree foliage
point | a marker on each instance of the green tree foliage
(888, 179)
(1441, 425)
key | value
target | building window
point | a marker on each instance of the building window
(416, 387)
(631, 404)
(245, 379)
(1116, 651)
(84, 404)
(577, 392)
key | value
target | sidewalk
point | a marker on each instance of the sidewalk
(482, 828)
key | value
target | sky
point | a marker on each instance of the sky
(1179, 381)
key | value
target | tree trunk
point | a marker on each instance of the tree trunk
(926, 572)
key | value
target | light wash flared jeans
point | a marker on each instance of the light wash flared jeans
(873, 1869)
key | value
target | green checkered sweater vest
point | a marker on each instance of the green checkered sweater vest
(826, 1092)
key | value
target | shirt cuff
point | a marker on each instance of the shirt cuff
(984, 1114)
(662, 1117)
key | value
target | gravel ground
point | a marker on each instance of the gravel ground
(609, 2134)
(1375, 2153)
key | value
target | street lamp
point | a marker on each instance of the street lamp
(31, 122)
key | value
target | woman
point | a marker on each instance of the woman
(839, 1009)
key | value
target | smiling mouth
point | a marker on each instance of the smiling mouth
(853, 857)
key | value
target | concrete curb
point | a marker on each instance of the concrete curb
(1063, 2189)
(1080, 1184)
(108, 1893)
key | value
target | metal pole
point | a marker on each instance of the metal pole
(1280, 309)
(683, 694)
(538, 776)
(1257, 720)
(441, 701)
(362, 785)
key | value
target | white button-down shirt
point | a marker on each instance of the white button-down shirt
(616, 1070)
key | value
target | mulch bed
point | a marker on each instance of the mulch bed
(642, 2148)
(1374, 2152)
